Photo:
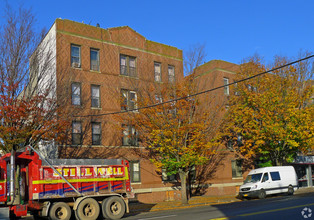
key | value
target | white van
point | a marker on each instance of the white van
(269, 180)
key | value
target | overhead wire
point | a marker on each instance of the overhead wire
(196, 94)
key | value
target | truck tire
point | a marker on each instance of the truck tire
(290, 190)
(113, 208)
(262, 194)
(60, 211)
(87, 209)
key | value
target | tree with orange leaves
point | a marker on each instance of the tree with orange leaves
(28, 106)
(270, 118)
(176, 134)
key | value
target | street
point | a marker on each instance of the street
(280, 207)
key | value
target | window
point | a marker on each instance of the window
(75, 56)
(127, 65)
(95, 96)
(76, 93)
(275, 176)
(165, 177)
(157, 67)
(130, 137)
(171, 74)
(158, 98)
(230, 144)
(128, 101)
(94, 59)
(96, 133)
(135, 174)
(76, 133)
(236, 168)
(265, 177)
(226, 88)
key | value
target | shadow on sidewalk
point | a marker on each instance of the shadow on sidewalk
(138, 207)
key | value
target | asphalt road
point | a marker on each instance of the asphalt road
(280, 207)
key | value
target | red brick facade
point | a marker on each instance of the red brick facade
(75, 42)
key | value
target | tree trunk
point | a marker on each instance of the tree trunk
(183, 177)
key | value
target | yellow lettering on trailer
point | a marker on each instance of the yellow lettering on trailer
(88, 172)
(101, 171)
(109, 171)
(66, 171)
(72, 172)
(119, 171)
(55, 174)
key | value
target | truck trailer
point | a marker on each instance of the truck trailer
(60, 188)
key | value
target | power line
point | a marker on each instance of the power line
(199, 93)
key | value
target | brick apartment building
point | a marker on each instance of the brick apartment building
(228, 170)
(95, 67)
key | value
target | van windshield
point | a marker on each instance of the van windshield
(253, 178)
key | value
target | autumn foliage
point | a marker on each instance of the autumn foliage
(27, 121)
(176, 134)
(270, 118)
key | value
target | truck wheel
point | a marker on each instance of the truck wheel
(113, 207)
(60, 210)
(262, 194)
(88, 209)
(290, 190)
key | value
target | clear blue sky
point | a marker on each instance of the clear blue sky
(231, 29)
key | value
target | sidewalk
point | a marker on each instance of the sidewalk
(194, 202)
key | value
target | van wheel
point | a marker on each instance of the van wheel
(262, 194)
(290, 190)
(113, 207)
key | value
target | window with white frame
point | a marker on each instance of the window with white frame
(135, 174)
(127, 65)
(130, 136)
(76, 93)
(75, 56)
(171, 74)
(95, 96)
(157, 68)
(129, 99)
(96, 133)
(226, 88)
(94, 59)
(236, 168)
(76, 133)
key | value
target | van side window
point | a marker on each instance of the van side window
(275, 176)
(265, 177)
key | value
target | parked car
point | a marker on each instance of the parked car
(269, 180)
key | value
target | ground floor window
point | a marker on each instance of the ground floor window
(236, 166)
(135, 174)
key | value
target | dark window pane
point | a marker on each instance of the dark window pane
(135, 171)
(96, 139)
(236, 168)
(94, 59)
(96, 133)
(275, 176)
